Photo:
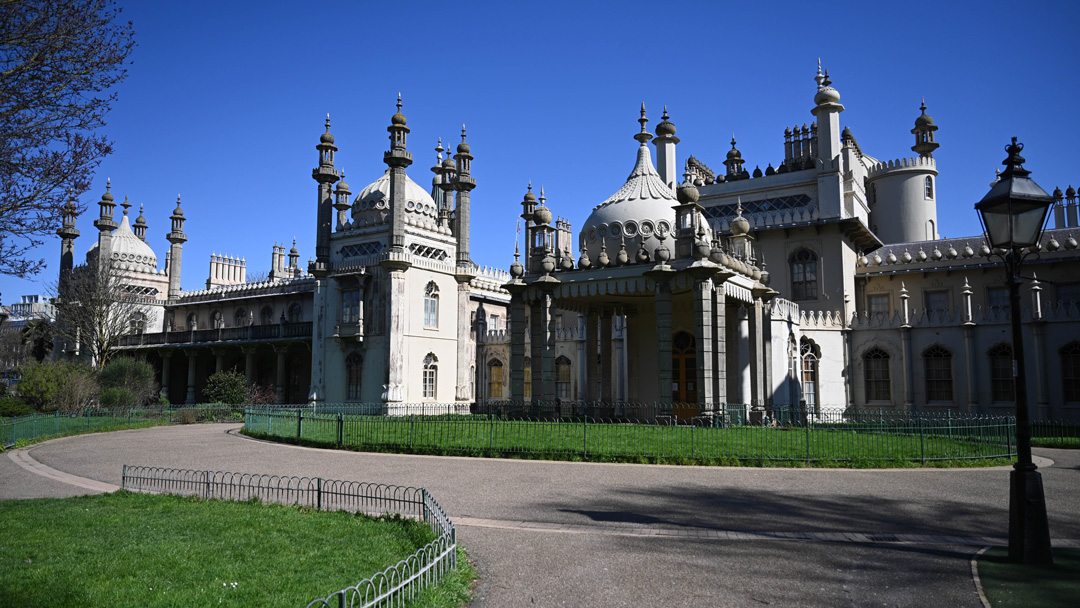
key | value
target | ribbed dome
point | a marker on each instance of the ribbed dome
(377, 196)
(129, 250)
(641, 208)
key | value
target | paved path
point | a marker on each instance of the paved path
(584, 534)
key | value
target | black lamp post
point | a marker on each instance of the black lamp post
(1013, 214)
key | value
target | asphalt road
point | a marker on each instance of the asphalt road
(587, 534)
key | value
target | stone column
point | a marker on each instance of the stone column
(395, 338)
(720, 346)
(757, 375)
(249, 364)
(166, 362)
(663, 340)
(606, 380)
(592, 326)
(323, 324)
(906, 371)
(192, 358)
(536, 349)
(279, 377)
(219, 359)
(742, 334)
(547, 335)
(766, 358)
(970, 369)
(703, 335)
(466, 346)
(517, 343)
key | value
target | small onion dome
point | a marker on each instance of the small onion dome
(294, 251)
(108, 195)
(548, 263)
(828, 95)
(542, 216)
(1057, 194)
(342, 186)
(327, 138)
(924, 119)
(766, 277)
(701, 248)
(448, 164)
(1053, 245)
(740, 225)
(566, 263)
(662, 253)
(1070, 192)
(642, 254)
(530, 198)
(178, 210)
(622, 258)
(139, 221)
(1070, 243)
(687, 192)
(666, 128)
(602, 260)
(733, 153)
(516, 269)
(583, 261)
(463, 148)
(787, 131)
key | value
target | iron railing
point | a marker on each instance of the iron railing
(1056, 433)
(393, 586)
(36, 426)
(721, 433)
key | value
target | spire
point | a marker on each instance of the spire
(924, 133)
(125, 204)
(140, 223)
(644, 136)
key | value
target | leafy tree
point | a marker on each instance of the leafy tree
(58, 60)
(96, 308)
(226, 386)
(127, 382)
(39, 384)
(58, 385)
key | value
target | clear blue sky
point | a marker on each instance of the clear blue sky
(226, 100)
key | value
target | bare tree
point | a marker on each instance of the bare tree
(96, 307)
(57, 60)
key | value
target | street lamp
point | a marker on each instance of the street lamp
(1013, 214)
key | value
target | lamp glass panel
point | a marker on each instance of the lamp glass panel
(1027, 224)
(996, 221)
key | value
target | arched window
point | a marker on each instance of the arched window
(928, 187)
(495, 379)
(528, 377)
(240, 317)
(810, 356)
(266, 315)
(1001, 373)
(295, 312)
(804, 282)
(192, 321)
(354, 366)
(431, 305)
(876, 368)
(1070, 371)
(216, 320)
(562, 377)
(431, 373)
(939, 381)
(138, 323)
(683, 368)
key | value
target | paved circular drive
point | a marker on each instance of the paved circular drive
(584, 534)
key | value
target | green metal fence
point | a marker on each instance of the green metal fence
(722, 435)
(36, 426)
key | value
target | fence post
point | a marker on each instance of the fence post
(922, 440)
(123, 479)
(299, 423)
(340, 429)
(57, 422)
(585, 437)
(318, 493)
(806, 425)
(412, 430)
(206, 490)
(491, 433)
(87, 417)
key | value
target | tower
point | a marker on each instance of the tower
(341, 202)
(140, 225)
(105, 222)
(734, 163)
(665, 150)
(176, 237)
(68, 233)
(325, 174)
(398, 159)
(924, 133)
(463, 183)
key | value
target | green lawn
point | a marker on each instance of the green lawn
(634, 442)
(125, 549)
(1010, 585)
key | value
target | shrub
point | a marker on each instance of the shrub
(39, 384)
(11, 407)
(226, 387)
(261, 394)
(128, 381)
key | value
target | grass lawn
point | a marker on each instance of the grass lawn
(478, 436)
(126, 549)
(1007, 584)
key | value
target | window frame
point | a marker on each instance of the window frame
(801, 263)
(431, 306)
(877, 377)
(430, 377)
(354, 371)
(1069, 355)
(1002, 382)
(495, 380)
(938, 374)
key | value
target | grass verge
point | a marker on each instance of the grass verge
(1010, 585)
(729, 461)
(149, 550)
(119, 426)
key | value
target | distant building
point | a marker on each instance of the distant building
(822, 281)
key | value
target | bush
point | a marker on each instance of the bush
(129, 382)
(39, 384)
(11, 407)
(258, 394)
(225, 387)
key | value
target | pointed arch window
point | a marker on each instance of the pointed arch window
(215, 320)
(804, 279)
(495, 379)
(266, 315)
(240, 317)
(810, 358)
(1070, 371)
(937, 360)
(876, 368)
(354, 367)
(1001, 373)
(431, 375)
(295, 312)
(928, 187)
(138, 323)
(562, 377)
(192, 321)
(431, 305)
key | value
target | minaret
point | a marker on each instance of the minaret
(687, 216)
(140, 224)
(397, 158)
(734, 162)
(827, 110)
(105, 222)
(437, 193)
(294, 260)
(325, 174)
(341, 202)
(68, 233)
(924, 133)
(665, 150)
(463, 183)
(177, 238)
(446, 184)
(528, 207)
